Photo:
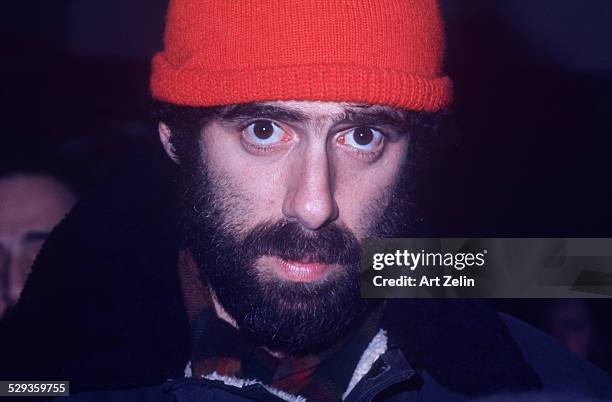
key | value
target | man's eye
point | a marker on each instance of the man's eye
(264, 132)
(363, 138)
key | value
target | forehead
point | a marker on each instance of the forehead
(317, 109)
(32, 201)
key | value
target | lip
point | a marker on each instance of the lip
(300, 271)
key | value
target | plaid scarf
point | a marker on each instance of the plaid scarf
(219, 347)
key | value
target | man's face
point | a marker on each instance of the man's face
(277, 201)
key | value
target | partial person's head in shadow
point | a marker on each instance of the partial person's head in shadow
(35, 195)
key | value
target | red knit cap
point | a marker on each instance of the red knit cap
(220, 52)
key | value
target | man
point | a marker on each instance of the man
(295, 127)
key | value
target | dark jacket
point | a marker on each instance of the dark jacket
(103, 309)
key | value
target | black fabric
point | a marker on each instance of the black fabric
(103, 305)
(463, 344)
(192, 390)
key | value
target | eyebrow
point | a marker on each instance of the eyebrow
(251, 110)
(377, 117)
(36, 235)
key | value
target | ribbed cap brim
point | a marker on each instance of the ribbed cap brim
(334, 83)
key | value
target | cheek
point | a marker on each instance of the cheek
(362, 190)
(264, 186)
(251, 191)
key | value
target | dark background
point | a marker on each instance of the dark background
(530, 133)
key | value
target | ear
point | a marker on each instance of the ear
(164, 136)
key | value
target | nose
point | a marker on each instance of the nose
(309, 199)
(10, 281)
(15, 266)
(4, 280)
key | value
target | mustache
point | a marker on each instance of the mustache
(332, 244)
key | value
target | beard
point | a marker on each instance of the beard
(295, 318)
